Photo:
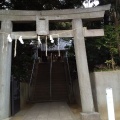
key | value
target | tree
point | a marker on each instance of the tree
(114, 16)
(45, 4)
(22, 63)
(6, 4)
(110, 42)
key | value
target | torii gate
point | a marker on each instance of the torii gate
(42, 19)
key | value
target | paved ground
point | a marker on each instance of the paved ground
(46, 111)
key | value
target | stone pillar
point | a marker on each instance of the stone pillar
(5, 69)
(83, 73)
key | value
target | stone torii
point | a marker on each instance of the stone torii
(42, 19)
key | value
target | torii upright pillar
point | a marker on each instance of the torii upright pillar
(88, 112)
(5, 69)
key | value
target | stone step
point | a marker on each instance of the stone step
(58, 82)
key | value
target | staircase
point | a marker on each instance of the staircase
(58, 82)
(42, 83)
(52, 88)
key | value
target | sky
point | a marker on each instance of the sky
(90, 3)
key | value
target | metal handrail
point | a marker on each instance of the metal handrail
(32, 72)
(51, 76)
(70, 79)
(31, 77)
(68, 68)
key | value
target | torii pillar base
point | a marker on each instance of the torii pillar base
(90, 116)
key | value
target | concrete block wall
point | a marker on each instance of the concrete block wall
(76, 92)
(23, 94)
(100, 81)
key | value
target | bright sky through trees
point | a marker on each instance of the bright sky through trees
(90, 3)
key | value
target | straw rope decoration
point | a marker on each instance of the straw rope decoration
(22, 42)
(15, 47)
(39, 41)
(58, 46)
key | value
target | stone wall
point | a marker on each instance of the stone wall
(99, 82)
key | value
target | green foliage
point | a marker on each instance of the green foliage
(104, 50)
(109, 39)
(45, 4)
(22, 63)
(60, 25)
(111, 42)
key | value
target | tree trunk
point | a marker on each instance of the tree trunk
(116, 18)
(112, 62)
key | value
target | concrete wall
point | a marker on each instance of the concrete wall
(76, 92)
(23, 94)
(100, 81)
